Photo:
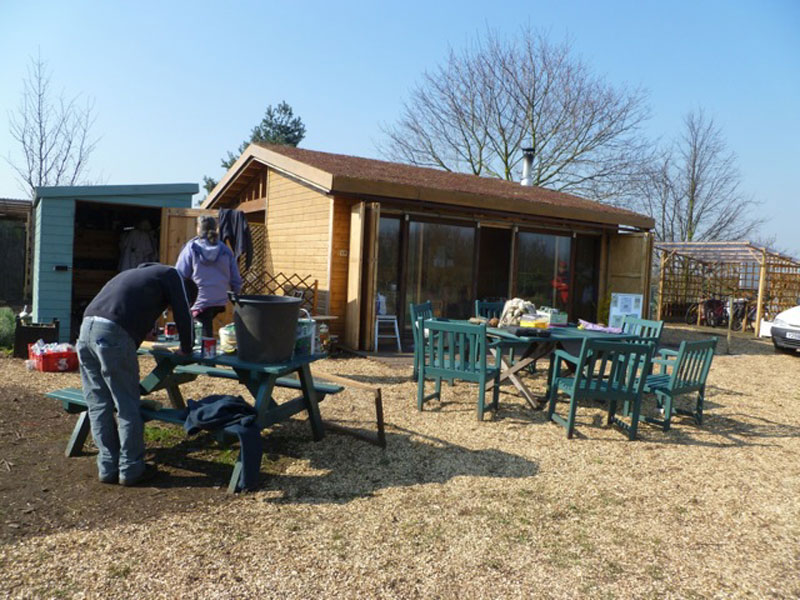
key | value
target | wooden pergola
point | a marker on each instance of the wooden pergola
(690, 272)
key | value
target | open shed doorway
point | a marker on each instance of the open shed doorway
(108, 238)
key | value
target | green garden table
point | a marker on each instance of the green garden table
(535, 347)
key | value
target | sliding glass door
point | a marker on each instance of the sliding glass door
(543, 269)
(440, 267)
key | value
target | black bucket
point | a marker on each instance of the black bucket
(265, 326)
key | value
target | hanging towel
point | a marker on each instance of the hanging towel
(233, 226)
(235, 416)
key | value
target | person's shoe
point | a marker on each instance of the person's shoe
(112, 478)
(148, 474)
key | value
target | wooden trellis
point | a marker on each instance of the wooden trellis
(691, 272)
(256, 280)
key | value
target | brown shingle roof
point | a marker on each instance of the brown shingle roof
(355, 175)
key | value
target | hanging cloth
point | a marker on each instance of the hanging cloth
(233, 228)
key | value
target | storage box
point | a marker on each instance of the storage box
(26, 334)
(552, 316)
(54, 361)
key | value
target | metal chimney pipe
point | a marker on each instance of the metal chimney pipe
(527, 163)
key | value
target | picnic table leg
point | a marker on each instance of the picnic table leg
(79, 434)
(310, 400)
(233, 484)
(262, 392)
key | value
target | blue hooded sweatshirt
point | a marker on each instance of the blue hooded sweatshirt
(213, 268)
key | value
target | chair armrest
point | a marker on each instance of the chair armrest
(664, 362)
(666, 352)
(566, 356)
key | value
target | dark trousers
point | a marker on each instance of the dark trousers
(206, 318)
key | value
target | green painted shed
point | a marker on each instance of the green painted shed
(78, 231)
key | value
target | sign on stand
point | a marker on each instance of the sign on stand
(623, 305)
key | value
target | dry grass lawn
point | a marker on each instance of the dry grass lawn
(454, 508)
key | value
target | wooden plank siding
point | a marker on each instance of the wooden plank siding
(298, 222)
(340, 249)
(53, 240)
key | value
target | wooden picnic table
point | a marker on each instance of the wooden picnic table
(535, 347)
(172, 370)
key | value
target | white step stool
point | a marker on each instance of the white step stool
(387, 320)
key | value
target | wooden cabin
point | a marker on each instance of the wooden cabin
(370, 230)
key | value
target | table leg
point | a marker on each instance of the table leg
(79, 434)
(262, 392)
(310, 400)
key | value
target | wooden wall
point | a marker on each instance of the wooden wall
(629, 265)
(298, 224)
(340, 248)
(53, 240)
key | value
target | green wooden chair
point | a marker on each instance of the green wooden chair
(456, 350)
(489, 310)
(415, 313)
(604, 370)
(682, 372)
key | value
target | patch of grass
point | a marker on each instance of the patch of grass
(166, 436)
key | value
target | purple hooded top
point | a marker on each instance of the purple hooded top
(213, 268)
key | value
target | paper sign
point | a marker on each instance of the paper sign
(623, 305)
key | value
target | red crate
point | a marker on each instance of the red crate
(54, 361)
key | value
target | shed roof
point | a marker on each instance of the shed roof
(339, 173)
(13, 208)
(723, 252)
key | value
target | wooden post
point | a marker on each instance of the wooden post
(762, 279)
(661, 269)
(730, 324)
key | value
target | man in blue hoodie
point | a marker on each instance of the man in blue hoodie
(212, 266)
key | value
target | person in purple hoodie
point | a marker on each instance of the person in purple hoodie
(211, 265)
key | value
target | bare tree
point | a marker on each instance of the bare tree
(53, 133)
(478, 110)
(693, 190)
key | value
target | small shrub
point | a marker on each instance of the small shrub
(7, 326)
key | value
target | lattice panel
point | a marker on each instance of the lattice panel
(256, 280)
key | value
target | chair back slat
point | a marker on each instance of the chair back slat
(692, 365)
(488, 310)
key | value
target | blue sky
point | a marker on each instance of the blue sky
(177, 84)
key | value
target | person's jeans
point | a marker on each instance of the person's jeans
(110, 378)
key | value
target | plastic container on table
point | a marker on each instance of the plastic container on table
(305, 342)
(265, 326)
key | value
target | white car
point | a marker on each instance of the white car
(786, 330)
